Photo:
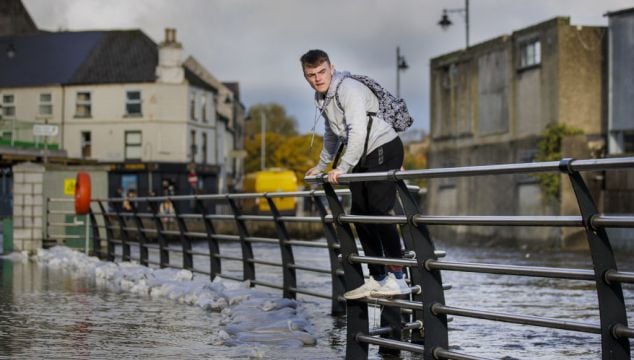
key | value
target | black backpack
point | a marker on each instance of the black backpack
(391, 109)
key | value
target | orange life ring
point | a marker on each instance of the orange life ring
(82, 193)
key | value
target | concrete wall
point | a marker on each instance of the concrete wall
(33, 184)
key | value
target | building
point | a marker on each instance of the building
(490, 104)
(118, 98)
(618, 195)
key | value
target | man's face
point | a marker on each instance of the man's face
(319, 77)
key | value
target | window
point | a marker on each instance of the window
(133, 103)
(192, 106)
(203, 101)
(83, 107)
(530, 53)
(46, 105)
(133, 145)
(193, 145)
(204, 148)
(8, 106)
(86, 144)
(628, 142)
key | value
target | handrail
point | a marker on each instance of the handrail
(145, 227)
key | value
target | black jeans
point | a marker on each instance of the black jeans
(377, 198)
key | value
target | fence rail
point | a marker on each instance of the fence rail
(417, 323)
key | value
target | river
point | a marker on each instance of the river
(59, 314)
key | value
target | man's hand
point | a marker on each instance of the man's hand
(333, 176)
(313, 171)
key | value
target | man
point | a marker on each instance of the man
(347, 106)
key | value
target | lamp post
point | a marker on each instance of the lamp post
(401, 64)
(262, 140)
(445, 22)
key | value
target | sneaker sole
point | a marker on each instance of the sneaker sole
(356, 297)
(389, 294)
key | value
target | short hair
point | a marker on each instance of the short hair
(314, 58)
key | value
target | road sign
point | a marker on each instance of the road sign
(193, 179)
(45, 130)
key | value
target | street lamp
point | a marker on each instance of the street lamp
(401, 64)
(445, 22)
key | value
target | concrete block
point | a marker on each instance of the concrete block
(22, 234)
(37, 189)
(28, 199)
(18, 178)
(22, 189)
(37, 222)
(17, 244)
(18, 200)
(18, 222)
(18, 210)
(38, 211)
(28, 211)
(34, 178)
(38, 199)
(28, 222)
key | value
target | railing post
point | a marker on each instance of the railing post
(248, 267)
(109, 232)
(338, 305)
(611, 303)
(123, 232)
(415, 276)
(96, 239)
(186, 243)
(435, 335)
(214, 248)
(143, 250)
(357, 311)
(164, 253)
(289, 275)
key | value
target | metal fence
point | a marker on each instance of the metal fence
(417, 323)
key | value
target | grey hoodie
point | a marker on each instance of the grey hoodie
(351, 127)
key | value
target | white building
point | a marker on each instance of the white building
(120, 99)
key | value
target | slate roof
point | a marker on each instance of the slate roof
(82, 57)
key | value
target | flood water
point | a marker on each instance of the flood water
(55, 313)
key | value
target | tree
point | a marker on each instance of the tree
(277, 121)
(297, 155)
(252, 145)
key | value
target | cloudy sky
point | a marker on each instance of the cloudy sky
(259, 42)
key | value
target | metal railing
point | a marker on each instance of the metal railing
(423, 315)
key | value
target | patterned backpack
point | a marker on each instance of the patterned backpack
(391, 109)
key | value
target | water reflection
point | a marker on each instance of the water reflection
(48, 313)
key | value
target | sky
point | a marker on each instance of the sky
(258, 42)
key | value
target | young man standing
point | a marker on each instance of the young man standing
(347, 106)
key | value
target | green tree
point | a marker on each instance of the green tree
(277, 121)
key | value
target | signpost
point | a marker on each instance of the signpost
(192, 178)
(47, 131)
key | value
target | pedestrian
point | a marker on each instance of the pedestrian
(166, 212)
(349, 109)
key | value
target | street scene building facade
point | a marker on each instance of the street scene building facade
(119, 99)
(492, 102)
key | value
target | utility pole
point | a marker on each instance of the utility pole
(262, 140)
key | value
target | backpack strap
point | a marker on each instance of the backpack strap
(367, 138)
(367, 135)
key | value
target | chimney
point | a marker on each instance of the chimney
(170, 65)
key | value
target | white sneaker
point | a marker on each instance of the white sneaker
(363, 290)
(391, 287)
